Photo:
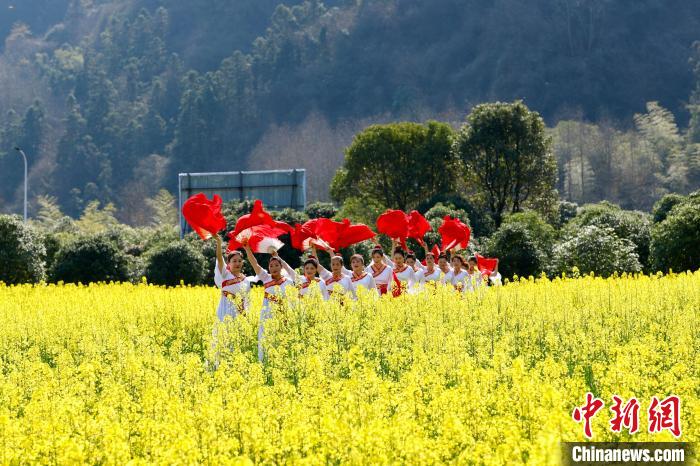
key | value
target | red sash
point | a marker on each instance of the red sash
(304, 286)
(383, 289)
(232, 281)
(332, 280)
(270, 296)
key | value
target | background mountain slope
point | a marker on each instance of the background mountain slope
(112, 98)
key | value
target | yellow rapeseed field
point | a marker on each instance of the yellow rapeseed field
(123, 374)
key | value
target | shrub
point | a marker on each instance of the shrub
(175, 262)
(595, 249)
(517, 251)
(541, 232)
(21, 252)
(90, 259)
(321, 210)
(627, 224)
(675, 241)
(664, 205)
(567, 211)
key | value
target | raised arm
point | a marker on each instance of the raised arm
(292, 273)
(220, 263)
(253, 261)
(389, 262)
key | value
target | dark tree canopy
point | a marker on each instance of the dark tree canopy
(507, 156)
(398, 165)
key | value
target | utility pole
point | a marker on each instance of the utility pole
(24, 156)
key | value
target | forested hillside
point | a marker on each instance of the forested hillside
(112, 98)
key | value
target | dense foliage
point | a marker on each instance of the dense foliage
(675, 241)
(176, 263)
(90, 259)
(21, 252)
(112, 98)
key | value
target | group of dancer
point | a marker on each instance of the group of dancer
(401, 273)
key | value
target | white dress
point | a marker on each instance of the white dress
(365, 281)
(235, 293)
(407, 277)
(337, 285)
(275, 292)
(305, 287)
(457, 280)
(475, 280)
(424, 276)
(383, 277)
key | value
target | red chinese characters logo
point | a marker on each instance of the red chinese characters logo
(663, 415)
(586, 412)
(625, 416)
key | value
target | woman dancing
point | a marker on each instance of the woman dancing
(234, 285)
(275, 288)
(475, 278)
(457, 277)
(405, 274)
(336, 280)
(360, 278)
(428, 273)
(383, 274)
(305, 281)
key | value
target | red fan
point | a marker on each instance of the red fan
(394, 224)
(315, 242)
(418, 226)
(325, 229)
(204, 215)
(260, 238)
(258, 216)
(352, 234)
(454, 233)
(486, 266)
(299, 234)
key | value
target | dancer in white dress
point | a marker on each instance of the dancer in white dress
(234, 285)
(235, 291)
(360, 278)
(458, 276)
(444, 263)
(382, 273)
(476, 279)
(337, 282)
(308, 281)
(428, 274)
(275, 284)
(405, 274)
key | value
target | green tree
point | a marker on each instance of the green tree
(176, 262)
(675, 241)
(542, 232)
(507, 157)
(594, 249)
(632, 225)
(397, 165)
(517, 250)
(90, 259)
(21, 252)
